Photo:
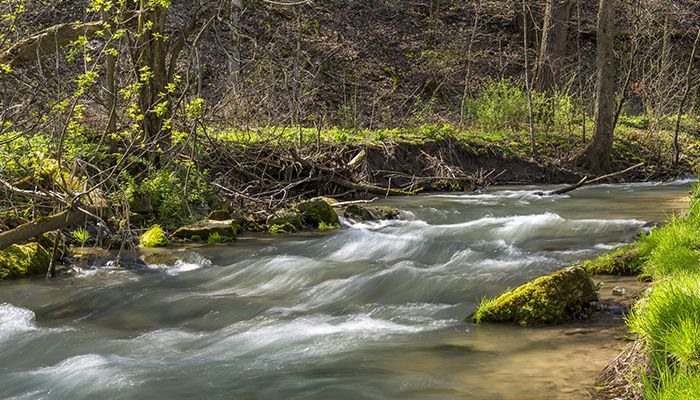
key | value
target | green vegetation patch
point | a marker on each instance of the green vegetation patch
(19, 261)
(625, 261)
(564, 295)
(154, 237)
(328, 227)
(282, 229)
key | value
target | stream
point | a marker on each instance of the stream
(372, 311)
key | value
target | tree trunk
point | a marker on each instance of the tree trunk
(597, 155)
(110, 75)
(39, 226)
(153, 72)
(553, 46)
(686, 94)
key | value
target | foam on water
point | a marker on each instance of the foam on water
(15, 320)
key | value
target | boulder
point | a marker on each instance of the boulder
(284, 217)
(564, 295)
(201, 230)
(359, 212)
(19, 261)
(317, 212)
(219, 215)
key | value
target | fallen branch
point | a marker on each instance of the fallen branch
(585, 182)
(366, 187)
(349, 203)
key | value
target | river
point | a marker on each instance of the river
(372, 311)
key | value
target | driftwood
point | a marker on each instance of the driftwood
(585, 182)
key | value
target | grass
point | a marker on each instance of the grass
(322, 226)
(667, 319)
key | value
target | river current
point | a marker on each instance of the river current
(372, 311)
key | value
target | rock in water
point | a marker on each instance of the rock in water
(202, 230)
(19, 261)
(360, 212)
(317, 211)
(564, 295)
(284, 218)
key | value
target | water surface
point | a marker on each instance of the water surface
(373, 311)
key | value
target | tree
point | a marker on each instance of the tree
(596, 156)
(553, 45)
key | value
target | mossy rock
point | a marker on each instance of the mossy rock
(19, 261)
(359, 212)
(284, 217)
(385, 213)
(625, 261)
(154, 237)
(562, 296)
(317, 211)
(203, 229)
(219, 215)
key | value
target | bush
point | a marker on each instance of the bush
(501, 105)
(166, 188)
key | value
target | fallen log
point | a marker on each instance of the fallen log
(585, 182)
(47, 42)
(40, 226)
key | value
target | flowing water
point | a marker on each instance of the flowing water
(373, 311)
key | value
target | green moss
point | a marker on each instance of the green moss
(282, 228)
(154, 237)
(561, 296)
(19, 261)
(625, 261)
(317, 211)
